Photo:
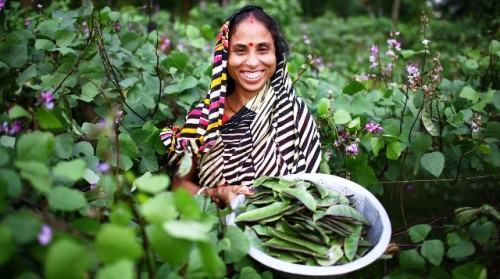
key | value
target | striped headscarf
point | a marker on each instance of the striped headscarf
(273, 134)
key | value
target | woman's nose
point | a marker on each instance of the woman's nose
(252, 59)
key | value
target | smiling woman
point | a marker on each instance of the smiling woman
(266, 129)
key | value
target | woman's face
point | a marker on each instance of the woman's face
(252, 58)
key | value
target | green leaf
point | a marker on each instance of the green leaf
(66, 259)
(152, 183)
(198, 43)
(64, 145)
(43, 44)
(123, 269)
(72, 170)
(47, 28)
(393, 150)
(47, 120)
(471, 64)
(484, 148)
(188, 83)
(240, 244)
(12, 182)
(433, 251)
(433, 163)
(377, 145)
(407, 53)
(66, 199)
(36, 146)
(496, 100)
(419, 232)
(131, 40)
(192, 32)
(64, 37)
(172, 250)
(421, 142)
(411, 259)
(323, 107)
(89, 91)
(7, 244)
(176, 59)
(28, 74)
(462, 249)
(114, 243)
(23, 225)
(36, 173)
(14, 43)
(17, 112)
(127, 146)
(470, 271)
(353, 87)
(483, 232)
(188, 230)
(249, 272)
(341, 117)
(429, 125)
(160, 208)
(469, 93)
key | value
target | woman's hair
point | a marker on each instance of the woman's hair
(280, 45)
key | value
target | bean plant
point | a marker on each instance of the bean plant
(85, 92)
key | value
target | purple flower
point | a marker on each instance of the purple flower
(410, 187)
(393, 43)
(5, 125)
(15, 128)
(352, 149)
(48, 99)
(373, 128)
(117, 27)
(93, 185)
(374, 50)
(328, 154)
(45, 235)
(103, 167)
(27, 23)
(118, 116)
(413, 74)
(2, 4)
(307, 41)
(373, 57)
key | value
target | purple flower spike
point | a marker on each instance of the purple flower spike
(45, 235)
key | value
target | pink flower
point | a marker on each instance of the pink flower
(374, 128)
(374, 50)
(47, 98)
(27, 23)
(2, 4)
(352, 149)
(165, 43)
(45, 235)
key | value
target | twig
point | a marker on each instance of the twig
(439, 179)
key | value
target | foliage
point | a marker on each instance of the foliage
(84, 93)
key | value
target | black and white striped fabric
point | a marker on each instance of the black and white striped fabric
(273, 134)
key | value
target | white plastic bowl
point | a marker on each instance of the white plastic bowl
(379, 233)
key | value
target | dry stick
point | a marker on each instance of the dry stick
(157, 69)
(460, 160)
(403, 111)
(111, 69)
(416, 118)
(145, 243)
(440, 128)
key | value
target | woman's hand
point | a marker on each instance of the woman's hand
(224, 194)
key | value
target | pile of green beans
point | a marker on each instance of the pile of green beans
(303, 222)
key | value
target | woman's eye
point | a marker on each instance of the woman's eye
(264, 49)
(239, 51)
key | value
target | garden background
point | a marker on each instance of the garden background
(405, 94)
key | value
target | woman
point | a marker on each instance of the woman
(250, 124)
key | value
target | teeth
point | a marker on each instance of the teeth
(252, 75)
